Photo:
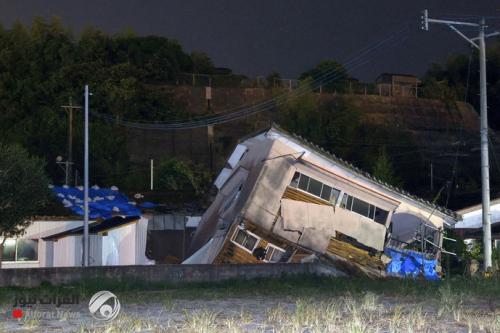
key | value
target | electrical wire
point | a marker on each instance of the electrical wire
(240, 112)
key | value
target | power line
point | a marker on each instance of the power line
(245, 111)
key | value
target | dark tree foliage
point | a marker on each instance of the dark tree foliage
(43, 65)
(178, 176)
(458, 79)
(329, 70)
(24, 190)
(273, 80)
(201, 62)
(384, 170)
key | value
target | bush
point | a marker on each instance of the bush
(179, 176)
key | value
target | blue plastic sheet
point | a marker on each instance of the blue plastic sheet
(408, 263)
(148, 204)
(103, 202)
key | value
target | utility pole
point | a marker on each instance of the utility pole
(86, 183)
(69, 163)
(485, 169)
(152, 176)
(432, 177)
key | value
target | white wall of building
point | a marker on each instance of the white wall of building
(37, 230)
(125, 245)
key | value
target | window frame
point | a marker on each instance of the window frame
(332, 188)
(15, 253)
(375, 208)
(275, 248)
(238, 229)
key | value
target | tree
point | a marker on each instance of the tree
(329, 70)
(24, 191)
(333, 124)
(273, 79)
(458, 79)
(178, 176)
(383, 169)
(202, 64)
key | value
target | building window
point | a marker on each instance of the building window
(315, 187)
(20, 250)
(380, 215)
(363, 208)
(273, 253)
(245, 239)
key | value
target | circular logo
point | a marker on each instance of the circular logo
(104, 305)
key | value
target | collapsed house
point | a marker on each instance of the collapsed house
(282, 199)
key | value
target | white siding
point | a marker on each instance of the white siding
(119, 246)
(67, 251)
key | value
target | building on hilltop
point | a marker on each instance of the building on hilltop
(402, 85)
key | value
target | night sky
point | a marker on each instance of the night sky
(257, 37)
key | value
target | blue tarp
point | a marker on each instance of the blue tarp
(103, 202)
(407, 263)
(148, 204)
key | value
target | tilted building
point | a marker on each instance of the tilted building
(282, 199)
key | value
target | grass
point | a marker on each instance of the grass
(296, 304)
(295, 286)
(351, 314)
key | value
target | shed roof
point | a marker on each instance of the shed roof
(94, 228)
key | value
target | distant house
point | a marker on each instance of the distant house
(117, 233)
(402, 85)
(471, 227)
(282, 199)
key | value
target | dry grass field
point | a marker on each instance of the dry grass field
(305, 304)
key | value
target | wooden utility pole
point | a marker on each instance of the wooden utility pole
(69, 162)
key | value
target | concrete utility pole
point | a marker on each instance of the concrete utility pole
(485, 168)
(86, 183)
(152, 175)
(69, 163)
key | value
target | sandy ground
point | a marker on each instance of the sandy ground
(361, 313)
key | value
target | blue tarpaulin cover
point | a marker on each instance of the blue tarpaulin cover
(148, 204)
(103, 202)
(408, 263)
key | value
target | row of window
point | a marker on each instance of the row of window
(364, 208)
(315, 187)
(20, 250)
(330, 194)
(249, 242)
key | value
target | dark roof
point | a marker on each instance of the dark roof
(367, 175)
(96, 227)
(39, 218)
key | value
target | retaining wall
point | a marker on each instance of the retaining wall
(168, 274)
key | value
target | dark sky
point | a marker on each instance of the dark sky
(256, 37)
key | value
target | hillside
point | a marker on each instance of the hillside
(415, 132)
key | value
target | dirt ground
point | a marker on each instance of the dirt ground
(368, 311)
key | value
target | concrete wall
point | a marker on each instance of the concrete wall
(167, 274)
